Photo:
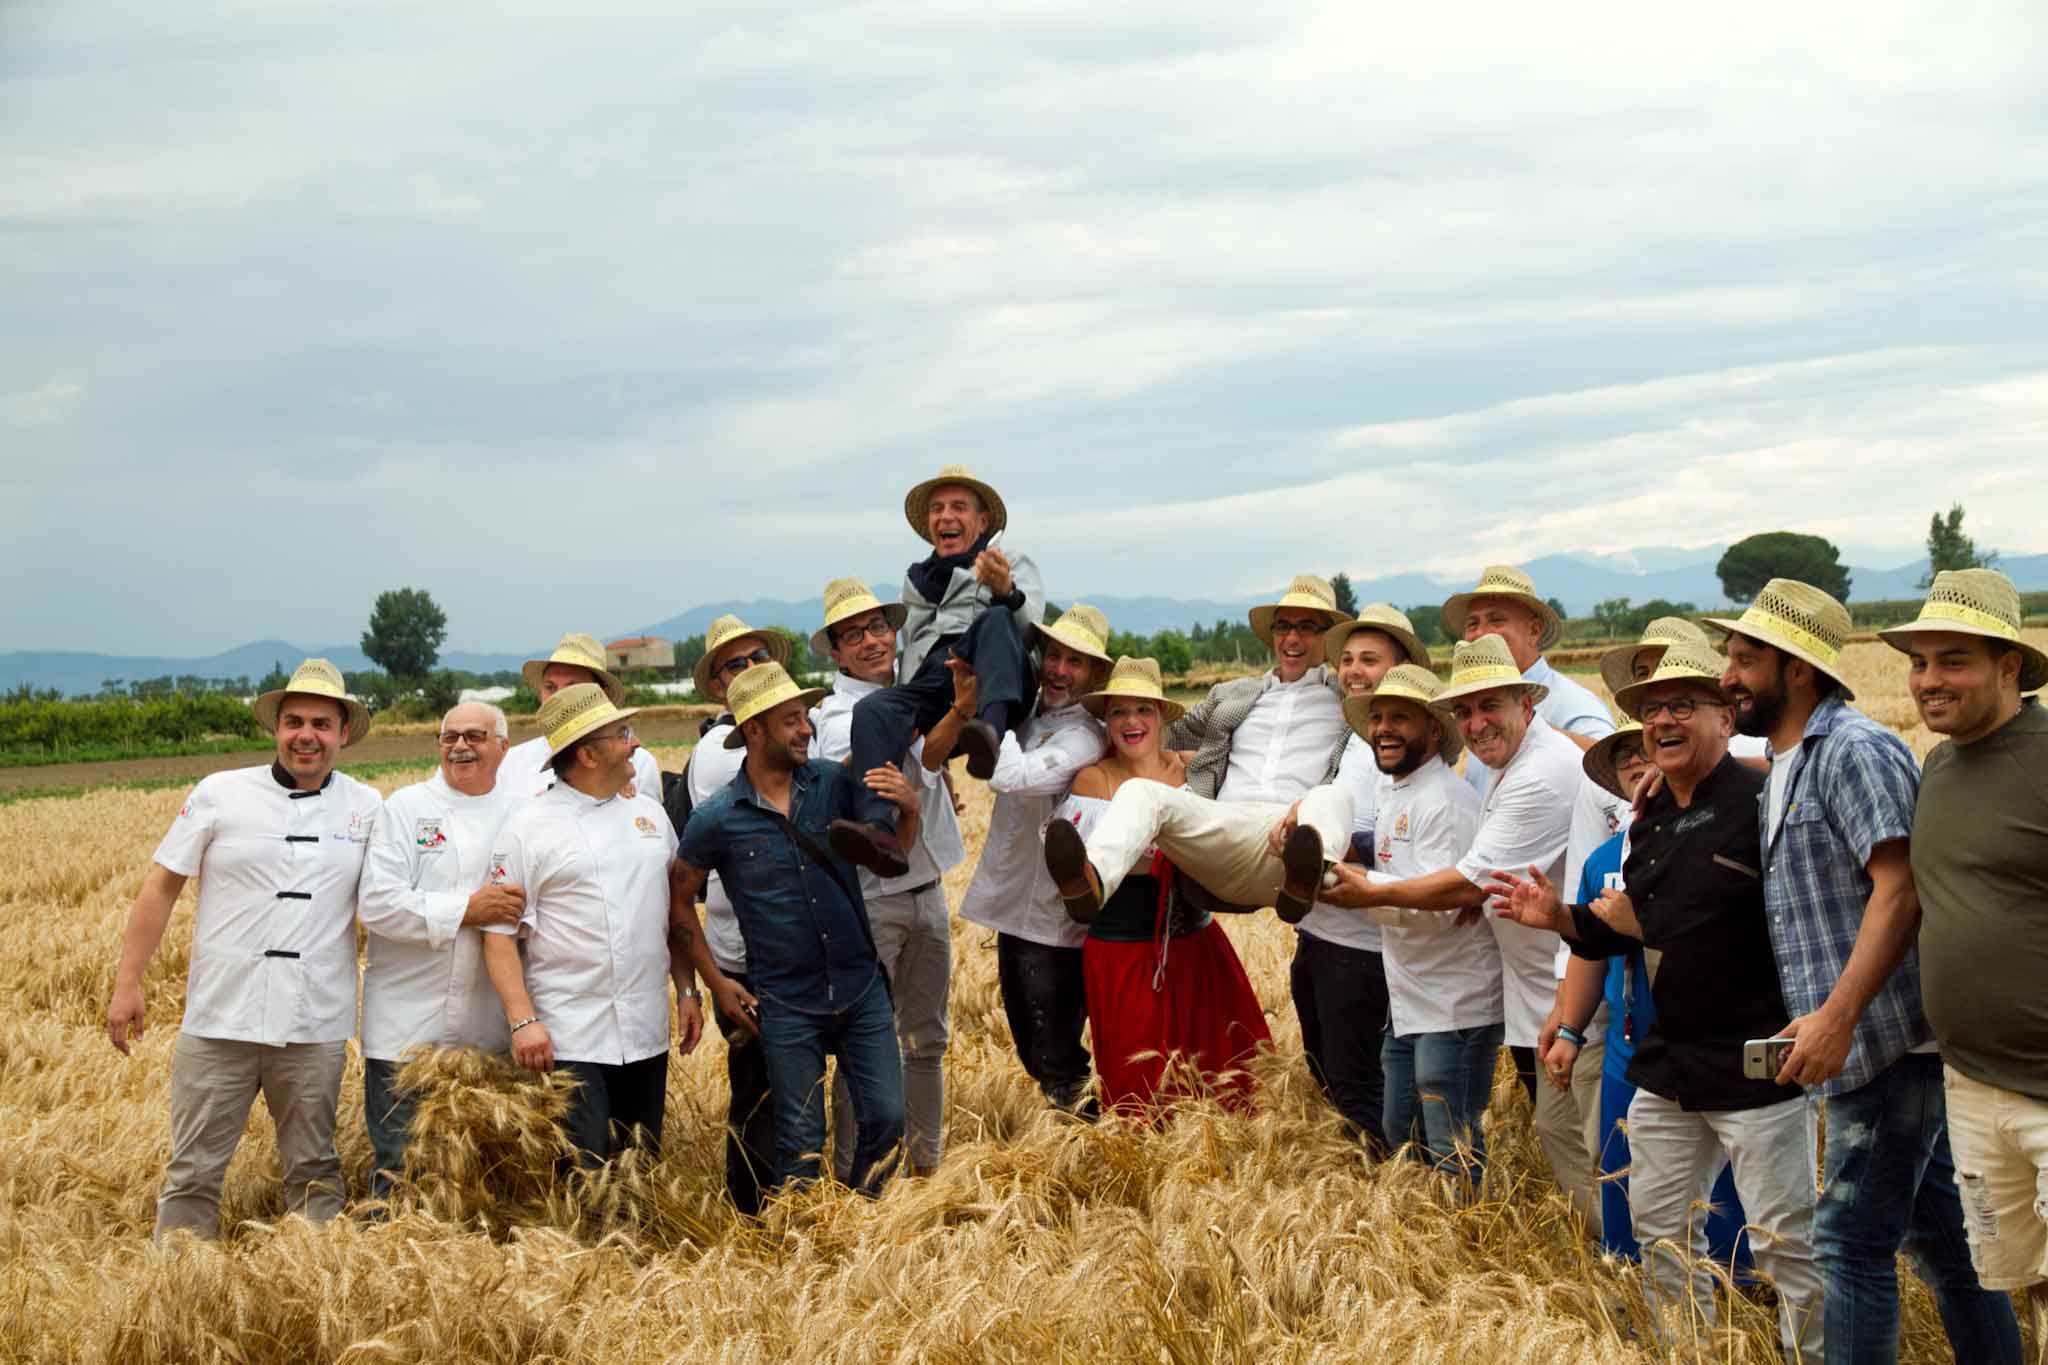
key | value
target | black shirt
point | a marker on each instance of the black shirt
(1693, 874)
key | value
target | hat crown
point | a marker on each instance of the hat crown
(1412, 681)
(579, 649)
(1135, 677)
(1307, 590)
(1804, 607)
(761, 688)
(1673, 630)
(841, 591)
(1687, 659)
(1383, 614)
(1986, 591)
(572, 704)
(1504, 578)
(317, 677)
(724, 631)
(1486, 656)
(1087, 619)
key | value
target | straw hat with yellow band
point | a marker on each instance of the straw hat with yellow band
(1134, 679)
(1483, 664)
(578, 651)
(917, 502)
(1599, 761)
(1305, 593)
(1618, 665)
(1080, 628)
(1799, 619)
(1974, 602)
(1406, 682)
(844, 598)
(1688, 663)
(315, 678)
(1502, 580)
(723, 632)
(575, 711)
(760, 690)
(1389, 621)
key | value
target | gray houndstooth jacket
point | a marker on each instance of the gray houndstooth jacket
(1210, 723)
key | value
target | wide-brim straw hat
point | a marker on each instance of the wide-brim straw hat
(1306, 592)
(1389, 621)
(1407, 682)
(1692, 663)
(1483, 664)
(1598, 762)
(723, 632)
(315, 678)
(761, 689)
(1134, 678)
(1080, 628)
(579, 651)
(1974, 602)
(1618, 665)
(575, 711)
(844, 598)
(917, 502)
(1502, 580)
(1801, 620)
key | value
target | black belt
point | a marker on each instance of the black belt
(278, 952)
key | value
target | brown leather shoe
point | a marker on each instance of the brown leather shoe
(1066, 858)
(869, 846)
(980, 743)
(1301, 862)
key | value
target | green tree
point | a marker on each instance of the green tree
(1428, 620)
(405, 634)
(1755, 560)
(1611, 613)
(1949, 547)
(275, 679)
(1557, 605)
(1347, 597)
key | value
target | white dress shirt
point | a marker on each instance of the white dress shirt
(424, 981)
(1441, 975)
(596, 921)
(1012, 893)
(938, 848)
(1358, 773)
(525, 770)
(274, 936)
(1283, 747)
(1567, 706)
(712, 768)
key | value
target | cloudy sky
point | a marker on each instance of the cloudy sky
(580, 314)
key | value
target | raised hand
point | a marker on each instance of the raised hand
(1530, 900)
(992, 567)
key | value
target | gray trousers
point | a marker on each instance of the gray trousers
(214, 1081)
(1568, 1124)
(914, 938)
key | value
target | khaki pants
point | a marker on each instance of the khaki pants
(913, 937)
(1221, 844)
(213, 1083)
(1568, 1125)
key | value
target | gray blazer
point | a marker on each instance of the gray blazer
(966, 598)
(1210, 723)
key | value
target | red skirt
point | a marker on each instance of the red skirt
(1201, 1008)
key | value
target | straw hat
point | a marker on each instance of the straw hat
(844, 597)
(1618, 665)
(762, 689)
(315, 678)
(1134, 678)
(581, 651)
(1080, 628)
(1974, 602)
(1306, 591)
(1799, 619)
(1681, 663)
(917, 502)
(1502, 580)
(575, 711)
(1407, 682)
(723, 632)
(1599, 760)
(1483, 664)
(1389, 621)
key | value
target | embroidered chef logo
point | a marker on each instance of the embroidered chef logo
(645, 826)
(1386, 848)
(427, 834)
(358, 829)
(498, 871)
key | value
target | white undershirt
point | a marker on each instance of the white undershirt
(1781, 773)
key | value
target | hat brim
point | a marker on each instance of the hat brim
(1262, 617)
(1457, 604)
(1537, 691)
(1096, 703)
(1598, 761)
(1753, 631)
(895, 613)
(1037, 630)
(267, 706)
(1343, 628)
(1618, 665)
(2033, 662)
(558, 741)
(736, 738)
(532, 670)
(1358, 713)
(774, 641)
(918, 500)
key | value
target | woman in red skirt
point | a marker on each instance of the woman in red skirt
(1163, 981)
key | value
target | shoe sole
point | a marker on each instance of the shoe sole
(846, 838)
(1301, 863)
(1066, 858)
(981, 755)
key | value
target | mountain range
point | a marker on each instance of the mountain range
(1676, 575)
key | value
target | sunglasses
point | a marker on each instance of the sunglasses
(740, 663)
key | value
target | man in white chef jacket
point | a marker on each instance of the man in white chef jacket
(270, 995)
(424, 896)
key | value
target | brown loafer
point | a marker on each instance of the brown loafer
(980, 745)
(868, 846)
(1073, 876)
(1301, 863)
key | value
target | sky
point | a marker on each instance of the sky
(577, 315)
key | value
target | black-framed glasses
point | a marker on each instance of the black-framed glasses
(877, 629)
(474, 738)
(1288, 627)
(740, 663)
(1678, 708)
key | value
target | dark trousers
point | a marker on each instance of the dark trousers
(1340, 995)
(862, 1040)
(1045, 996)
(388, 1116)
(616, 1107)
(750, 1118)
(1525, 1070)
(884, 722)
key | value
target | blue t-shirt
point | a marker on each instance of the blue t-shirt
(1629, 1009)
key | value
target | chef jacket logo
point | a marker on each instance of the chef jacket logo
(1401, 826)
(645, 826)
(1386, 848)
(358, 829)
(427, 835)
(498, 870)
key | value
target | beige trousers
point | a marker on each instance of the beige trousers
(1221, 844)
(1568, 1124)
(213, 1083)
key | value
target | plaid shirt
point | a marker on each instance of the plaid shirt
(1852, 787)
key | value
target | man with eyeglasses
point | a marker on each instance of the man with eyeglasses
(577, 659)
(423, 898)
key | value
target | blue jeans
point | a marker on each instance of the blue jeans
(794, 1046)
(388, 1116)
(1445, 1079)
(1891, 1186)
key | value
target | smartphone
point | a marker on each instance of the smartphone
(1764, 1058)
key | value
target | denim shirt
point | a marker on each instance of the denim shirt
(1853, 785)
(809, 947)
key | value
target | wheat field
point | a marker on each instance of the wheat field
(1216, 1237)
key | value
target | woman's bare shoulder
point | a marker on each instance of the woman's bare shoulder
(1094, 781)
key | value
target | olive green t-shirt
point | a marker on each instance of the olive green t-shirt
(1980, 860)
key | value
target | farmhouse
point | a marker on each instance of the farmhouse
(641, 651)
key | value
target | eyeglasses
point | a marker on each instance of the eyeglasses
(740, 663)
(1281, 627)
(474, 738)
(878, 629)
(623, 733)
(1678, 708)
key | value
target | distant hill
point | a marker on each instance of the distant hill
(75, 673)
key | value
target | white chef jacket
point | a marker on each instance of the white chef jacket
(274, 938)
(1012, 893)
(1567, 706)
(526, 771)
(425, 980)
(1526, 821)
(1358, 773)
(1440, 975)
(1283, 746)
(596, 921)
(712, 769)
(938, 848)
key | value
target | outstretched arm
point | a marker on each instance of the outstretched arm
(147, 919)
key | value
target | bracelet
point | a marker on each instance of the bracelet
(694, 994)
(529, 1019)
(1571, 1035)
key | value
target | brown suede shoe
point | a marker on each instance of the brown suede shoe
(868, 846)
(980, 743)
(1073, 876)
(1301, 861)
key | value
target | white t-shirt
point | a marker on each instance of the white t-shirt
(712, 768)
(1774, 791)
(1440, 975)
(274, 936)
(1283, 747)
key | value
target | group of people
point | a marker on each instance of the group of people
(1685, 928)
